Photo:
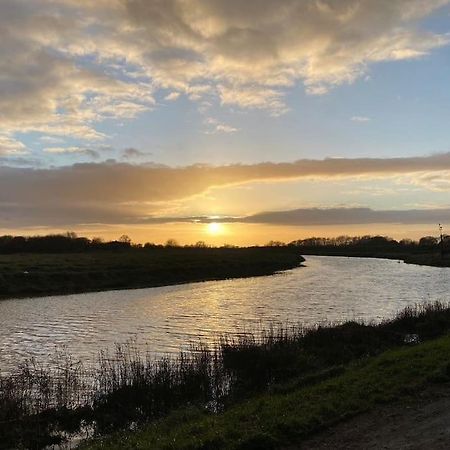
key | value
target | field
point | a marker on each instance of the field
(37, 274)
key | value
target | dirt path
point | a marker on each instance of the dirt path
(422, 423)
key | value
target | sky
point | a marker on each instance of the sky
(224, 121)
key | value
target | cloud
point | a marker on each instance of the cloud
(223, 128)
(68, 65)
(360, 119)
(47, 83)
(324, 216)
(133, 153)
(94, 154)
(11, 146)
(51, 140)
(214, 126)
(172, 96)
(121, 182)
(20, 161)
(439, 182)
(253, 97)
(131, 192)
(348, 216)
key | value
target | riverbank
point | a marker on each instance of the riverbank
(433, 259)
(292, 416)
(41, 274)
(265, 390)
(291, 413)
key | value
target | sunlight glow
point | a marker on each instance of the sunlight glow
(214, 228)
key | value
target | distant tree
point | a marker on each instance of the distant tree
(343, 240)
(275, 244)
(97, 241)
(172, 243)
(428, 241)
(200, 244)
(125, 239)
(445, 242)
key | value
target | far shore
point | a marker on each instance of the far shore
(155, 285)
(28, 275)
(421, 259)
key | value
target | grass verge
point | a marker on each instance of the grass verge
(285, 417)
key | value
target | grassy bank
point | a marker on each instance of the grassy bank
(37, 274)
(429, 250)
(428, 259)
(260, 382)
(422, 259)
(291, 413)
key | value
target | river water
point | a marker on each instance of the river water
(165, 319)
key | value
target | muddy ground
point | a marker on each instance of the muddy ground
(422, 422)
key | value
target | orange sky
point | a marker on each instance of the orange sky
(238, 234)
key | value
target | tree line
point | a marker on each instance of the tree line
(368, 243)
(371, 241)
(70, 242)
(58, 243)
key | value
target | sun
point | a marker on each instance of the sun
(214, 228)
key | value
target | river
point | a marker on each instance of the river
(165, 319)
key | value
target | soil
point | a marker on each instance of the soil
(419, 423)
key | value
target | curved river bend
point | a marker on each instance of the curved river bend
(165, 319)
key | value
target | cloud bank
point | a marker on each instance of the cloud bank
(124, 193)
(349, 216)
(323, 216)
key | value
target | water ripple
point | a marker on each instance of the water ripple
(165, 319)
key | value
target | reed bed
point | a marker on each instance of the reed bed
(40, 406)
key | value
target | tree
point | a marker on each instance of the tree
(172, 243)
(428, 241)
(275, 244)
(97, 241)
(125, 239)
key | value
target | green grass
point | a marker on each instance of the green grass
(292, 412)
(31, 274)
